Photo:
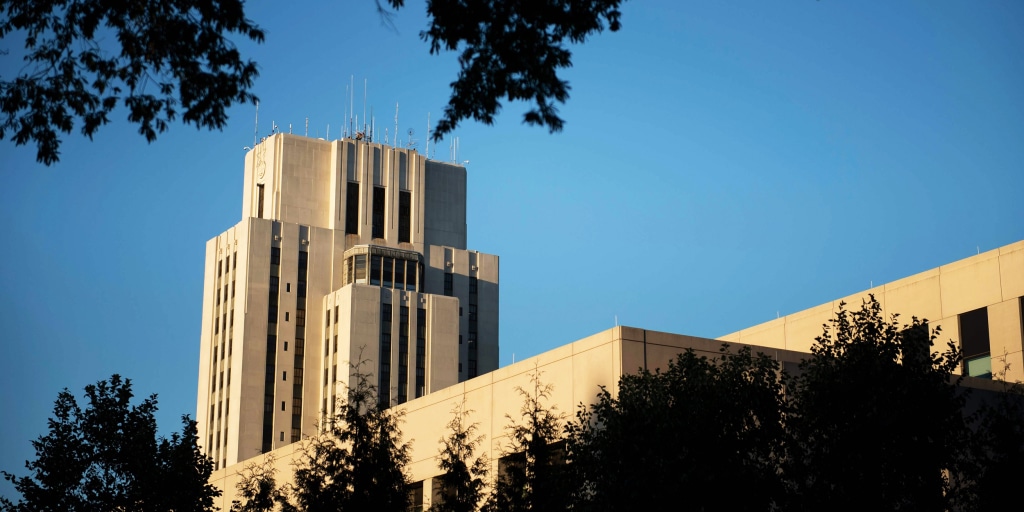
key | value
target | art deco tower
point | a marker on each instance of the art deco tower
(347, 252)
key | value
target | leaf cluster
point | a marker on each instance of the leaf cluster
(462, 480)
(107, 457)
(533, 475)
(511, 49)
(155, 57)
(357, 463)
(694, 431)
(878, 418)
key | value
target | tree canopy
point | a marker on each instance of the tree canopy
(532, 473)
(462, 482)
(356, 463)
(879, 420)
(688, 434)
(107, 456)
(162, 58)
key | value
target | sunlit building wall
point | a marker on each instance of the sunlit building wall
(327, 224)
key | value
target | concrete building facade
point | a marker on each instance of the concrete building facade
(353, 252)
(991, 282)
(348, 253)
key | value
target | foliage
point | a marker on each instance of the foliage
(511, 49)
(257, 488)
(684, 437)
(463, 477)
(169, 57)
(357, 462)
(107, 457)
(879, 422)
(1001, 440)
(161, 57)
(532, 473)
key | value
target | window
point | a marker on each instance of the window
(404, 216)
(286, 346)
(403, 354)
(259, 200)
(389, 268)
(378, 212)
(375, 263)
(399, 274)
(448, 287)
(384, 382)
(421, 351)
(282, 405)
(974, 341)
(282, 436)
(285, 316)
(360, 268)
(352, 208)
(284, 375)
(288, 287)
(275, 255)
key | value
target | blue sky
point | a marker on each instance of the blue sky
(722, 162)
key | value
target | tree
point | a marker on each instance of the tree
(532, 473)
(685, 436)
(257, 488)
(357, 463)
(878, 420)
(174, 57)
(463, 478)
(107, 457)
(1001, 447)
(169, 56)
(511, 49)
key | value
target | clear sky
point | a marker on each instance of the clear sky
(722, 162)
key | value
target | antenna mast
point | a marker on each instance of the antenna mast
(427, 151)
(396, 124)
(256, 129)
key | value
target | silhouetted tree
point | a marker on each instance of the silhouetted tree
(157, 58)
(532, 470)
(878, 421)
(107, 457)
(257, 487)
(512, 49)
(1001, 453)
(463, 478)
(706, 434)
(357, 463)
(164, 58)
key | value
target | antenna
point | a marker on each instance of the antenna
(427, 150)
(328, 131)
(256, 129)
(344, 117)
(307, 126)
(364, 105)
(396, 125)
(351, 104)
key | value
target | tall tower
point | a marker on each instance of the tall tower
(349, 254)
